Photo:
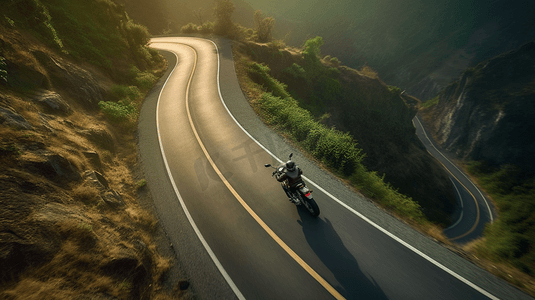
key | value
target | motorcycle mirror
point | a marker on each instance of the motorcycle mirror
(291, 154)
(267, 165)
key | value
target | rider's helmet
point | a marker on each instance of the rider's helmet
(290, 166)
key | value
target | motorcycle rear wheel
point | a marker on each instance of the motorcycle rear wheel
(311, 206)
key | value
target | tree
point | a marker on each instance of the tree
(263, 27)
(198, 15)
(223, 14)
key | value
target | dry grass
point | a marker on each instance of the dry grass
(35, 289)
(500, 269)
(86, 194)
(143, 218)
(368, 72)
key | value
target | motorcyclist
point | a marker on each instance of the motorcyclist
(292, 174)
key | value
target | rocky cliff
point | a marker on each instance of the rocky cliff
(488, 114)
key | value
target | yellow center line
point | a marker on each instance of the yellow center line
(475, 200)
(272, 234)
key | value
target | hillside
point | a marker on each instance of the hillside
(486, 115)
(418, 45)
(486, 120)
(378, 117)
(73, 74)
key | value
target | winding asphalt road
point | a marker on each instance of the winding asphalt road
(474, 209)
(235, 233)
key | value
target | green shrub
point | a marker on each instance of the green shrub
(123, 92)
(145, 80)
(141, 183)
(9, 21)
(430, 103)
(260, 74)
(335, 148)
(189, 28)
(137, 34)
(121, 111)
(142, 80)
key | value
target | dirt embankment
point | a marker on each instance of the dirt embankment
(71, 226)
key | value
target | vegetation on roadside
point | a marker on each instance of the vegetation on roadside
(430, 103)
(125, 100)
(320, 82)
(510, 238)
(336, 149)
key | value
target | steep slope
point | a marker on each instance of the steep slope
(486, 120)
(71, 225)
(418, 45)
(377, 116)
(487, 114)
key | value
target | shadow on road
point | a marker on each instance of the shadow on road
(323, 239)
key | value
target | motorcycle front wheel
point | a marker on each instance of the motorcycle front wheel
(311, 206)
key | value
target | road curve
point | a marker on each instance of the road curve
(475, 211)
(220, 185)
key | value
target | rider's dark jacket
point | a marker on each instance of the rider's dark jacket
(293, 177)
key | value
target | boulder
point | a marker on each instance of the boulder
(112, 198)
(52, 102)
(80, 84)
(96, 179)
(93, 158)
(109, 196)
(53, 166)
(63, 168)
(100, 137)
(9, 117)
(25, 77)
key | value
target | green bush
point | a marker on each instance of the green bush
(259, 73)
(189, 28)
(121, 111)
(430, 103)
(143, 80)
(335, 148)
(123, 92)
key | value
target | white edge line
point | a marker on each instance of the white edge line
(477, 189)
(459, 277)
(183, 204)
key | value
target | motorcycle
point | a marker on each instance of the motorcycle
(300, 194)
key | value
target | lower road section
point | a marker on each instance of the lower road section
(474, 209)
